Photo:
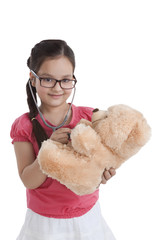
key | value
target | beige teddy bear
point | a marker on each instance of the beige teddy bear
(110, 139)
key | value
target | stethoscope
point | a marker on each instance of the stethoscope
(41, 115)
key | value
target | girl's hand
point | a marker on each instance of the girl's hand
(61, 135)
(107, 174)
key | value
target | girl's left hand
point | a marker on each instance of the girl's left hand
(107, 174)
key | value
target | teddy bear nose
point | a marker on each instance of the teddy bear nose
(96, 110)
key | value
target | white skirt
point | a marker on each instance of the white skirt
(90, 226)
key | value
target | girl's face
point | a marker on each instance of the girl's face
(58, 68)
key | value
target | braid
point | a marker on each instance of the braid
(30, 101)
(38, 130)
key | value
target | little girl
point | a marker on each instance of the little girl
(54, 212)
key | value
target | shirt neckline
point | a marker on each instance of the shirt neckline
(67, 125)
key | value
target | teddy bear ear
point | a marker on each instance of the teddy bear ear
(95, 110)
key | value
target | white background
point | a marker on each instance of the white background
(116, 48)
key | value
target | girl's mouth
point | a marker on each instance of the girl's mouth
(55, 96)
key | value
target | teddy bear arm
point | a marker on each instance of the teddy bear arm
(86, 122)
(84, 139)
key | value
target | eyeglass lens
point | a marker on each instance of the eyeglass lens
(50, 83)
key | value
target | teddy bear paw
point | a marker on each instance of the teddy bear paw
(84, 139)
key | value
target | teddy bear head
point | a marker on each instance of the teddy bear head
(122, 129)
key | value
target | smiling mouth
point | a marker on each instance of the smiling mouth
(55, 95)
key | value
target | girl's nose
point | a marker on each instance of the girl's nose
(57, 86)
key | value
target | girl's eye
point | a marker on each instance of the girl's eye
(66, 80)
(47, 79)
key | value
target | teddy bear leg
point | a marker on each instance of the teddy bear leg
(68, 167)
(84, 139)
(58, 161)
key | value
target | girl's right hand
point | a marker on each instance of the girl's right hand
(61, 135)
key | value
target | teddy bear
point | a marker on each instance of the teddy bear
(112, 137)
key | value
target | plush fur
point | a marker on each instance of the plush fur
(110, 139)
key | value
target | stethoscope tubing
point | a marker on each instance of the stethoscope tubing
(54, 128)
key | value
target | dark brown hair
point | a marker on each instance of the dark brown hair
(41, 51)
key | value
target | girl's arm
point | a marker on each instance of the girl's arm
(28, 167)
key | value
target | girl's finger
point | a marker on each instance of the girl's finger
(107, 175)
(112, 171)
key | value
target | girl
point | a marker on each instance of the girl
(54, 212)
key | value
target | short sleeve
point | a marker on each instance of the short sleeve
(86, 112)
(21, 129)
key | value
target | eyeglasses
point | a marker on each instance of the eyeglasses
(51, 82)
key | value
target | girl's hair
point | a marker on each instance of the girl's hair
(42, 51)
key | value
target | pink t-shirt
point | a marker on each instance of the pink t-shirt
(53, 199)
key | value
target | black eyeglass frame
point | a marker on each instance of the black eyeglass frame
(56, 81)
